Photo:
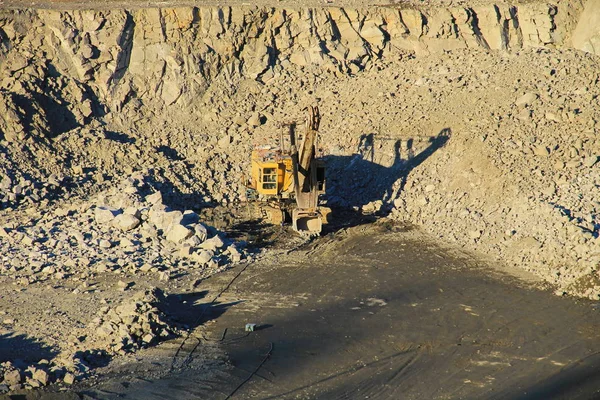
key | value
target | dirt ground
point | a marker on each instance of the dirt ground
(380, 311)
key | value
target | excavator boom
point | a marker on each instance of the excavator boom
(306, 218)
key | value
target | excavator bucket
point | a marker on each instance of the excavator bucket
(307, 223)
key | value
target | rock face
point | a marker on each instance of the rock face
(113, 57)
(586, 36)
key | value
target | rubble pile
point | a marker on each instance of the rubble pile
(134, 324)
(15, 191)
(65, 370)
(121, 231)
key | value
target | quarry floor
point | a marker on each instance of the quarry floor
(376, 311)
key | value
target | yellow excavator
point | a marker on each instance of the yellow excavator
(289, 178)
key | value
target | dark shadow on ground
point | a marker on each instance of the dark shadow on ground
(357, 180)
(192, 309)
(434, 323)
(119, 137)
(27, 349)
(169, 153)
(372, 318)
(576, 382)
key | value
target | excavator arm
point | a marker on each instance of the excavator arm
(306, 217)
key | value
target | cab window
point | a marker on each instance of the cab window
(269, 178)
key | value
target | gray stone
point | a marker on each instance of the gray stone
(254, 120)
(203, 256)
(185, 251)
(526, 99)
(541, 151)
(239, 120)
(12, 377)
(126, 222)
(126, 243)
(201, 232)
(234, 253)
(177, 233)
(148, 338)
(590, 161)
(213, 243)
(69, 378)
(154, 198)
(41, 376)
(224, 141)
(146, 267)
(193, 241)
(475, 234)
(133, 211)
(163, 219)
(104, 214)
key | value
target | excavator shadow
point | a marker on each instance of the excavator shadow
(370, 180)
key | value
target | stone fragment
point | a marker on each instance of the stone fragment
(475, 234)
(590, 161)
(213, 243)
(12, 377)
(541, 151)
(123, 284)
(254, 120)
(126, 243)
(526, 100)
(203, 256)
(178, 233)
(154, 198)
(146, 267)
(132, 211)
(201, 232)
(239, 120)
(148, 338)
(234, 253)
(126, 222)
(163, 219)
(104, 214)
(225, 141)
(105, 244)
(185, 251)
(41, 376)
(553, 117)
(69, 378)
